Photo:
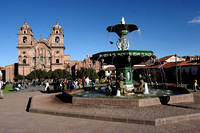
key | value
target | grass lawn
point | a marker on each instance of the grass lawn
(8, 88)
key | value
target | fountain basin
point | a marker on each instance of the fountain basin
(122, 102)
(102, 94)
(124, 58)
(97, 98)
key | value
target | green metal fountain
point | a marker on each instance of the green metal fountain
(124, 59)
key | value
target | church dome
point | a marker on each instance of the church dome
(57, 29)
(57, 26)
(25, 28)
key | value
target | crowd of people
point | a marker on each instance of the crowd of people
(65, 84)
(56, 84)
(62, 84)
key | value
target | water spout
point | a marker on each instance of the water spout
(118, 93)
(146, 89)
(123, 20)
(139, 32)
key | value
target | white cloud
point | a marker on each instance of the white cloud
(195, 20)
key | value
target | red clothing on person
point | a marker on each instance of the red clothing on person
(84, 80)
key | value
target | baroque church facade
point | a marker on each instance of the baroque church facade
(46, 54)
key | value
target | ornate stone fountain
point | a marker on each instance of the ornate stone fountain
(124, 59)
(81, 101)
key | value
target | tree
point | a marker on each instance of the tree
(49, 74)
(198, 74)
(87, 72)
(101, 74)
(67, 75)
(92, 74)
(184, 76)
(37, 74)
(31, 76)
(58, 73)
(42, 74)
(18, 77)
(82, 72)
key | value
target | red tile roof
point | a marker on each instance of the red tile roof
(111, 68)
(2, 68)
(169, 65)
(147, 67)
(192, 57)
(165, 58)
(188, 63)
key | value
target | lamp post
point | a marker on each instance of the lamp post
(9, 74)
(23, 71)
(34, 67)
(176, 70)
(50, 63)
(35, 61)
(180, 75)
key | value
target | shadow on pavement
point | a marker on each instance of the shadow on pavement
(51, 91)
(183, 106)
(65, 97)
(28, 104)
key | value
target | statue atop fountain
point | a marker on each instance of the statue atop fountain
(122, 31)
(122, 44)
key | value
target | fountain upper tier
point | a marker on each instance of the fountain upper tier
(122, 29)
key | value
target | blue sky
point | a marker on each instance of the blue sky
(167, 26)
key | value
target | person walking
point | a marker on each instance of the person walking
(65, 84)
(69, 85)
(83, 81)
(87, 80)
(1, 86)
(47, 86)
(195, 87)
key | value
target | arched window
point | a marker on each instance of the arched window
(49, 59)
(24, 39)
(56, 32)
(41, 59)
(24, 32)
(24, 61)
(57, 40)
(34, 59)
(57, 60)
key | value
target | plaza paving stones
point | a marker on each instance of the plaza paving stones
(153, 115)
(15, 119)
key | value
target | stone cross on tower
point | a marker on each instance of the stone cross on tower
(123, 44)
(41, 35)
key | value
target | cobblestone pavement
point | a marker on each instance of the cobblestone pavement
(15, 119)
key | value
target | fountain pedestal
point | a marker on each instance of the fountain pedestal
(123, 62)
(128, 76)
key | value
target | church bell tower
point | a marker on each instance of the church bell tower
(25, 38)
(57, 46)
